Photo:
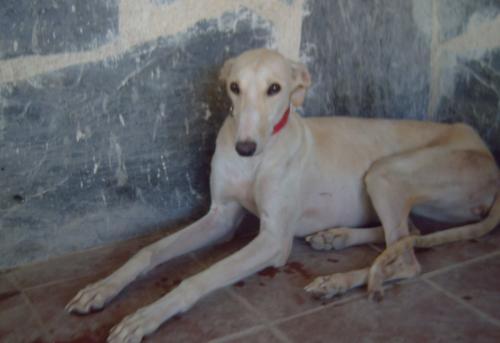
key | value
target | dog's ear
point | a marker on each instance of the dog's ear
(226, 69)
(301, 81)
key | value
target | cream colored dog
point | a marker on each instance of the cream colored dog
(305, 175)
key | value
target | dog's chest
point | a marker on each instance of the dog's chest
(239, 185)
(242, 192)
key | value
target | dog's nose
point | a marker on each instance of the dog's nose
(246, 148)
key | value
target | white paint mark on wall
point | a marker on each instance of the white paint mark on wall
(79, 133)
(164, 166)
(158, 120)
(84, 133)
(140, 196)
(103, 197)
(473, 44)
(191, 188)
(96, 165)
(121, 170)
(208, 114)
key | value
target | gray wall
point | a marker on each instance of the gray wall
(109, 108)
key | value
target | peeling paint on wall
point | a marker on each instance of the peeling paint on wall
(141, 21)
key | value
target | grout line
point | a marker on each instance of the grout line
(272, 325)
(239, 334)
(424, 277)
(34, 312)
(37, 317)
(275, 331)
(107, 245)
(462, 302)
(280, 335)
(39, 322)
(100, 274)
(460, 264)
(339, 302)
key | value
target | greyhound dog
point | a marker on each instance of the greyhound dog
(302, 176)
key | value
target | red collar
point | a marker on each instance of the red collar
(277, 128)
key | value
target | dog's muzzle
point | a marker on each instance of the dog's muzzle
(246, 148)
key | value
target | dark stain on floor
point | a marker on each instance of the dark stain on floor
(7, 295)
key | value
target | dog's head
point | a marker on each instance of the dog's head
(262, 84)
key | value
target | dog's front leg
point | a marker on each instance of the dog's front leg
(214, 225)
(267, 249)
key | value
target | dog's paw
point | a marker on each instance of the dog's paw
(328, 286)
(93, 297)
(134, 327)
(336, 239)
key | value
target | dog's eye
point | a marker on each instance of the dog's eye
(273, 89)
(234, 88)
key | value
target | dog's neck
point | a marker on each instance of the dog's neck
(288, 139)
(281, 124)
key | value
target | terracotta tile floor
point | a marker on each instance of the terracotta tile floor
(457, 298)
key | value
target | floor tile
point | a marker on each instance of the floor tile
(243, 235)
(215, 316)
(262, 336)
(278, 293)
(17, 323)
(408, 313)
(79, 264)
(447, 255)
(493, 236)
(421, 313)
(478, 284)
(6, 287)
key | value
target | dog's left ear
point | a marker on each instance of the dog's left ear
(301, 81)
(226, 69)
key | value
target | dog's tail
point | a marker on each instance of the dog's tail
(455, 234)
(461, 233)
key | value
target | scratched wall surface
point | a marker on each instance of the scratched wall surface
(467, 63)
(44, 27)
(420, 59)
(368, 58)
(102, 151)
(109, 109)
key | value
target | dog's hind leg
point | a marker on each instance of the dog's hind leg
(438, 181)
(213, 226)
